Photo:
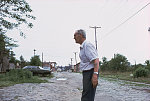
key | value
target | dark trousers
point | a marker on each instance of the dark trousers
(88, 93)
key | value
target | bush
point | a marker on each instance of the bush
(141, 72)
(148, 67)
(19, 75)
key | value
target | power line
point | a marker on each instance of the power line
(126, 20)
(133, 7)
(119, 9)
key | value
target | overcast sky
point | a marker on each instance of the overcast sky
(57, 21)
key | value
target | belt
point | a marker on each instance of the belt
(88, 70)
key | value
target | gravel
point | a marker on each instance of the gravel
(66, 86)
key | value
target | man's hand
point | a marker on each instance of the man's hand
(95, 80)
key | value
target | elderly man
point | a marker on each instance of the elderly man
(89, 65)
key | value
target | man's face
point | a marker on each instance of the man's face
(77, 38)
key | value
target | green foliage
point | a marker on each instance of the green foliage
(118, 63)
(4, 52)
(104, 65)
(22, 61)
(147, 62)
(126, 77)
(5, 46)
(2, 43)
(6, 43)
(35, 61)
(16, 76)
(19, 75)
(148, 67)
(13, 14)
(141, 72)
(12, 58)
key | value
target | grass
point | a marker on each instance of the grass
(18, 76)
(125, 76)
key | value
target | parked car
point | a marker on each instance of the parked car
(37, 70)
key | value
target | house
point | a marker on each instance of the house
(52, 65)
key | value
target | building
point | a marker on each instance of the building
(52, 65)
(76, 67)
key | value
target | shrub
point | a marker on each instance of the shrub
(19, 75)
(148, 67)
(141, 72)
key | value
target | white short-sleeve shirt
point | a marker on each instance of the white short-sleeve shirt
(88, 53)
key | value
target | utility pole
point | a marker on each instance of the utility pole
(76, 60)
(42, 59)
(95, 27)
(75, 57)
(71, 63)
(34, 52)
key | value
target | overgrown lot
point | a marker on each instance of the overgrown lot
(125, 76)
(17, 76)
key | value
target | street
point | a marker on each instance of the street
(67, 86)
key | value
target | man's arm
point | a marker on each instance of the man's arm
(95, 76)
(96, 65)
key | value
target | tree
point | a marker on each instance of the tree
(119, 63)
(104, 65)
(2, 48)
(2, 52)
(5, 45)
(12, 58)
(13, 13)
(147, 62)
(35, 61)
(22, 61)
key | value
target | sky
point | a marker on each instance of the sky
(123, 30)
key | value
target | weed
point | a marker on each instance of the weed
(17, 76)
